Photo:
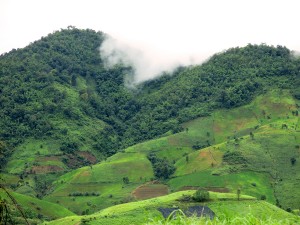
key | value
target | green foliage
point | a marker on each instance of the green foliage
(49, 81)
(33, 207)
(5, 152)
(234, 158)
(162, 168)
(293, 160)
(69, 147)
(226, 207)
(125, 180)
(201, 195)
(245, 220)
(54, 101)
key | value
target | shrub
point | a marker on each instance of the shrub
(263, 197)
(163, 169)
(201, 195)
(293, 160)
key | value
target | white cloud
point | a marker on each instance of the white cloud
(146, 62)
(165, 33)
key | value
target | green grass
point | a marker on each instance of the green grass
(232, 181)
(267, 171)
(225, 206)
(105, 178)
(33, 206)
(205, 167)
(198, 161)
(248, 219)
(268, 154)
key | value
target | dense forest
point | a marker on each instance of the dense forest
(62, 78)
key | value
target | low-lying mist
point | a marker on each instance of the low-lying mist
(146, 61)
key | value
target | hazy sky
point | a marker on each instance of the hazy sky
(181, 30)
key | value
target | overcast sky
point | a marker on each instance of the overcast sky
(182, 30)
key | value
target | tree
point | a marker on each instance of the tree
(238, 192)
(201, 195)
(69, 146)
(263, 197)
(4, 154)
(74, 80)
(252, 135)
(162, 167)
(125, 180)
(293, 160)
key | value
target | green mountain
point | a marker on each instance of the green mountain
(74, 135)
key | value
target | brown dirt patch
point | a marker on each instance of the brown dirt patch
(88, 156)
(49, 158)
(217, 128)
(240, 124)
(218, 189)
(85, 174)
(150, 190)
(214, 189)
(186, 188)
(45, 169)
(204, 154)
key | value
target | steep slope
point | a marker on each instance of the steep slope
(34, 208)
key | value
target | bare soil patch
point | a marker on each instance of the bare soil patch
(45, 169)
(150, 190)
(204, 154)
(49, 158)
(214, 189)
(88, 156)
(217, 128)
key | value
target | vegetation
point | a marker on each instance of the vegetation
(52, 84)
(73, 135)
(162, 167)
(19, 209)
(201, 195)
(225, 205)
(249, 219)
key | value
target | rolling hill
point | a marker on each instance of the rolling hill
(226, 206)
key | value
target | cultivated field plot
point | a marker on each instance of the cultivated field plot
(150, 190)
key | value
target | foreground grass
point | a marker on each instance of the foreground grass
(249, 219)
(227, 208)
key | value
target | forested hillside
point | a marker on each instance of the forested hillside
(61, 78)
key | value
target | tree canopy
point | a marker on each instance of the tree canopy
(62, 76)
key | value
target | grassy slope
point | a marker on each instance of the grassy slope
(268, 155)
(260, 177)
(106, 179)
(33, 206)
(223, 204)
